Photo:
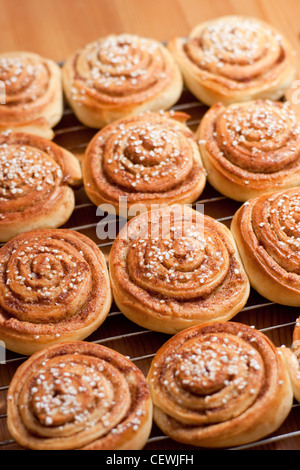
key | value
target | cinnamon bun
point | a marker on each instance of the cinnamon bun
(291, 356)
(267, 230)
(173, 267)
(37, 181)
(219, 385)
(54, 287)
(120, 75)
(250, 148)
(33, 93)
(147, 159)
(79, 395)
(235, 58)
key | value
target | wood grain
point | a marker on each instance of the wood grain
(55, 29)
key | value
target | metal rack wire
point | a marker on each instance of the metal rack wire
(140, 344)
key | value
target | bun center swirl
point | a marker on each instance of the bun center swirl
(121, 66)
(26, 79)
(184, 263)
(27, 176)
(44, 280)
(259, 137)
(79, 395)
(69, 395)
(213, 374)
(236, 49)
(233, 42)
(219, 385)
(148, 156)
(212, 380)
(173, 267)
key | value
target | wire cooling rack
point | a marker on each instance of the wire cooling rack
(119, 333)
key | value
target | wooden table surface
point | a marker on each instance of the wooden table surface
(55, 29)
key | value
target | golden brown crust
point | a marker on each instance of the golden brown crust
(147, 159)
(36, 184)
(120, 75)
(33, 93)
(291, 357)
(266, 230)
(54, 286)
(234, 59)
(172, 268)
(219, 385)
(250, 148)
(79, 395)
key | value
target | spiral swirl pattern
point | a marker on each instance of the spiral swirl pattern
(79, 395)
(173, 267)
(120, 75)
(36, 180)
(148, 159)
(54, 285)
(267, 231)
(33, 93)
(219, 384)
(250, 148)
(234, 59)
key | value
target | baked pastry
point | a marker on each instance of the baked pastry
(33, 93)
(148, 159)
(291, 356)
(250, 148)
(235, 58)
(173, 267)
(79, 395)
(54, 287)
(219, 385)
(266, 230)
(120, 75)
(37, 178)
